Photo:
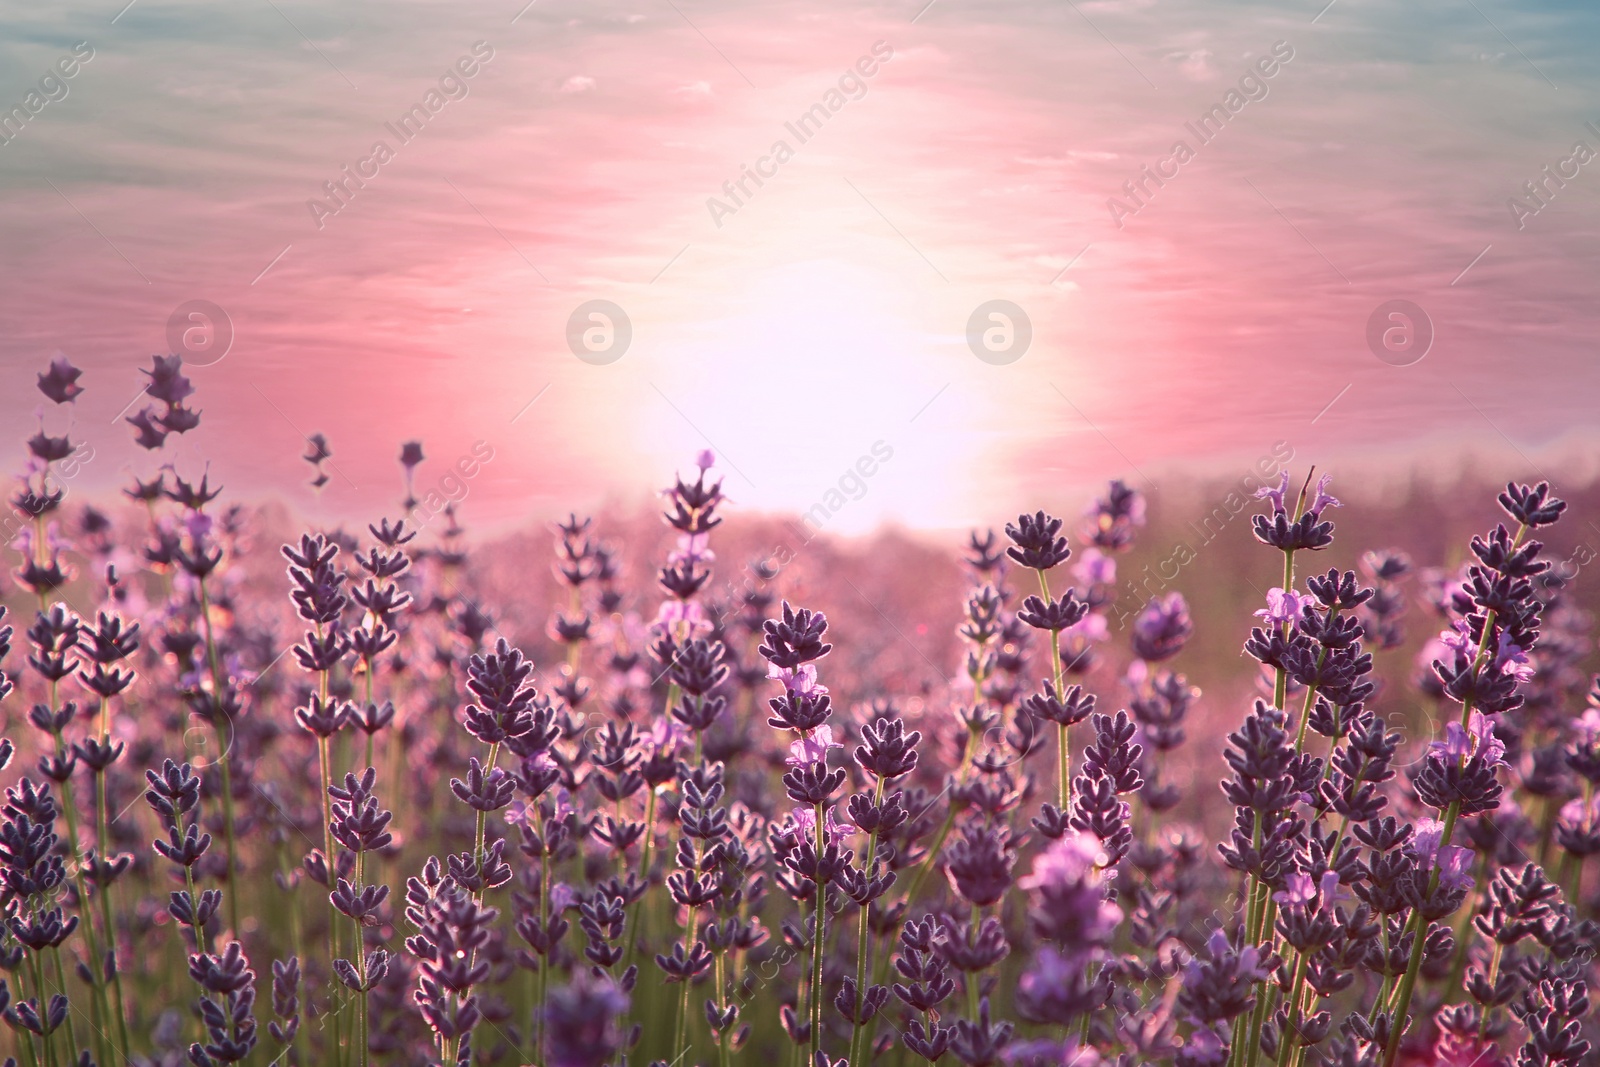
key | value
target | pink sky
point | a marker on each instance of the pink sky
(828, 312)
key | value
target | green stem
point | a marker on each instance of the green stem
(1280, 687)
(1259, 906)
(1258, 1018)
(635, 913)
(927, 865)
(325, 776)
(107, 911)
(863, 941)
(39, 992)
(931, 859)
(1305, 708)
(61, 979)
(544, 960)
(1063, 748)
(361, 966)
(1409, 982)
(1462, 935)
(97, 1007)
(691, 933)
(1570, 877)
(1494, 972)
(1384, 984)
(483, 816)
(817, 941)
(635, 910)
(970, 978)
(223, 759)
(1417, 927)
(722, 1003)
(1286, 1041)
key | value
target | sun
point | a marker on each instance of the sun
(814, 365)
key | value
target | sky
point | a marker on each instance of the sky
(1198, 215)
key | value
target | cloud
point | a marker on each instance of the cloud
(971, 141)
(1196, 65)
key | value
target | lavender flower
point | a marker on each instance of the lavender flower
(978, 864)
(1162, 628)
(170, 387)
(1036, 542)
(627, 795)
(227, 1008)
(1300, 530)
(451, 929)
(60, 382)
(580, 1022)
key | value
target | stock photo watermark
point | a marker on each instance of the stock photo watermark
(599, 332)
(999, 332)
(1541, 191)
(53, 88)
(1399, 332)
(453, 84)
(453, 485)
(62, 472)
(851, 486)
(199, 331)
(1251, 87)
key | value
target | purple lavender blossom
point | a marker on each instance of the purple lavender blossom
(60, 382)
(1476, 740)
(1276, 494)
(581, 1022)
(812, 748)
(834, 830)
(1162, 628)
(1095, 567)
(1044, 1052)
(1283, 606)
(634, 796)
(1071, 906)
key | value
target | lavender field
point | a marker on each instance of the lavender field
(694, 787)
